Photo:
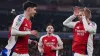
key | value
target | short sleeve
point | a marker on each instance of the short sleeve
(40, 41)
(59, 40)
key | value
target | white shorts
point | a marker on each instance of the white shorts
(16, 54)
(77, 54)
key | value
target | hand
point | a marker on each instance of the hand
(34, 32)
(53, 47)
(76, 10)
(87, 13)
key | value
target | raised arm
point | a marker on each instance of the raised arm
(68, 22)
(89, 27)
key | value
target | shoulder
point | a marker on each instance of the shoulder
(19, 17)
(55, 35)
(43, 36)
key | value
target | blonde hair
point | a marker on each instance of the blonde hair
(88, 12)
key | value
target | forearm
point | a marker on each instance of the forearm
(59, 48)
(15, 32)
(69, 20)
(86, 25)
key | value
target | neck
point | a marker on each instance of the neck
(26, 14)
(49, 34)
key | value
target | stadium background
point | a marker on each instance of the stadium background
(49, 11)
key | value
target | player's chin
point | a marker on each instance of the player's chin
(50, 32)
(32, 15)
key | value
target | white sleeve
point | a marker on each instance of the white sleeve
(18, 22)
(15, 32)
(68, 22)
(40, 44)
(16, 25)
(59, 41)
(40, 41)
(90, 28)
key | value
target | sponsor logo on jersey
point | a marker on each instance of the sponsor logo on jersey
(77, 27)
(26, 25)
(53, 39)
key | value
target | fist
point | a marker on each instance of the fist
(34, 32)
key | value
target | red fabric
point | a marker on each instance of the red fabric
(80, 39)
(21, 46)
(48, 41)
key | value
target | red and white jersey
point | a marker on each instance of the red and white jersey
(83, 34)
(19, 44)
(47, 41)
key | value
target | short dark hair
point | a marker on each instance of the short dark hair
(29, 4)
(50, 25)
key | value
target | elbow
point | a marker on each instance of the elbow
(64, 23)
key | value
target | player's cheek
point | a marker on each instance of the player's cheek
(46, 29)
(52, 30)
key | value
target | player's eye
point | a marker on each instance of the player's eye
(48, 27)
